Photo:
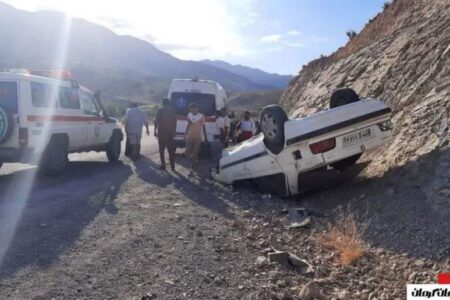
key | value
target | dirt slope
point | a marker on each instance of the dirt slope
(403, 57)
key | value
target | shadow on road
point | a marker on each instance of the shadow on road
(193, 188)
(56, 211)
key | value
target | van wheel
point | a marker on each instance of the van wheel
(55, 157)
(114, 148)
(338, 98)
(272, 119)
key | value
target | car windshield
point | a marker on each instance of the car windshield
(8, 96)
(205, 102)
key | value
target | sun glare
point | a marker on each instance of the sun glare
(19, 191)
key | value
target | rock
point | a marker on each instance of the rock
(261, 261)
(419, 263)
(247, 214)
(289, 260)
(286, 295)
(343, 295)
(149, 296)
(412, 277)
(311, 291)
(281, 283)
(274, 276)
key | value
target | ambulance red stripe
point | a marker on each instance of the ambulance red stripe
(61, 118)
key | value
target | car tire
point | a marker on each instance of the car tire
(114, 148)
(272, 119)
(338, 98)
(6, 124)
(342, 97)
(55, 157)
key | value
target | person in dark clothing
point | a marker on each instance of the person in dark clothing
(165, 130)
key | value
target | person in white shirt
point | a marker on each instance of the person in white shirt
(246, 128)
(217, 144)
(134, 120)
(193, 136)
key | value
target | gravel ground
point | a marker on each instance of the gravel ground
(128, 230)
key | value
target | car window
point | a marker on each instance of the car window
(68, 98)
(88, 103)
(205, 102)
(8, 95)
(43, 95)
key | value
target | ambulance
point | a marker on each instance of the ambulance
(209, 96)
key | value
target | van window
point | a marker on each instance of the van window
(8, 96)
(88, 102)
(205, 102)
(68, 98)
(43, 95)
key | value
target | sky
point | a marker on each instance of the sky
(274, 35)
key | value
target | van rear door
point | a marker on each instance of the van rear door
(9, 99)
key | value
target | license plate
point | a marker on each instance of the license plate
(356, 137)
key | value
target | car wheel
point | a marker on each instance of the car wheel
(114, 148)
(338, 98)
(6, 124)
(55, 157)
(342, 97)
(272, 119)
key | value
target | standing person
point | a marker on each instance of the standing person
(134, 120)
(219, 138)
(194, 129)
(227, 126)
(165, 130)
(246, 127)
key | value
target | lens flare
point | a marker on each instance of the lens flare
(19, 190)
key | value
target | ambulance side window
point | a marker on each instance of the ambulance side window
(43, 95)
(88, 104)
(68, 98)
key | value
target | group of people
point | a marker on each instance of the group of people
(195, 135)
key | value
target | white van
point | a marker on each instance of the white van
(208, 95)
(43, 119)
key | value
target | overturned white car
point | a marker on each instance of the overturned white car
(287, 148)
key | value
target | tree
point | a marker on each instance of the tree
(351, 34)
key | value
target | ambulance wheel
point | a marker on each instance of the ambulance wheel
(272, 119)
(342, 97)
(338, 98)
(55, 158)
(114, 148)
(6, 124)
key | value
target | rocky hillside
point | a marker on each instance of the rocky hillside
(403, 57)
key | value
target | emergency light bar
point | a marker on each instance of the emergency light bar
(57, 74)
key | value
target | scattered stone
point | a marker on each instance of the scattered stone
(261, 261)
(281, 283)
(149, 296)
(289, 260)
(247, 214)
(419, 263)
(311, 291)
(343, 295)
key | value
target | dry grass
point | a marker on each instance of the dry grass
(344, 236)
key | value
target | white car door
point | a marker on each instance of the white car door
(95, 123)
